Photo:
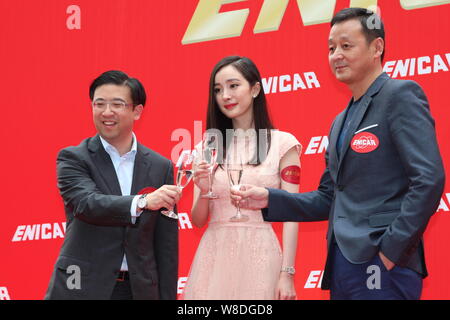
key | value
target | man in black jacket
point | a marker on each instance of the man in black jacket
(117, 244)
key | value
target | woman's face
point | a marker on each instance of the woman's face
(233, 93)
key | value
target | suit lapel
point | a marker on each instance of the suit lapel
(360, 113)
(105, 166)
(141, 171)
(334, 135)
(141, 177)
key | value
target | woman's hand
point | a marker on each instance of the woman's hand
(285, 289)
(201, 176)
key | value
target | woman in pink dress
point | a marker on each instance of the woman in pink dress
(243, 260)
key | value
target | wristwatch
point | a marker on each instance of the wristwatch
(142, 202)
(289, 270)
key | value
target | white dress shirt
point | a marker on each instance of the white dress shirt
(124, 165)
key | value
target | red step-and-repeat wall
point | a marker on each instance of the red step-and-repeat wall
(51, 50)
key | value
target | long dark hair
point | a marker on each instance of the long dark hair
(215, 119)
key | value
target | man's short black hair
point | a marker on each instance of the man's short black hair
(372, 25)
(122, 79)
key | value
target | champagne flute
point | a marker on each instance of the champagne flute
(209, 150)
(183, 177)
(235, 170)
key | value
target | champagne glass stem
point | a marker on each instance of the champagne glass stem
(209, 182)
(238, 214)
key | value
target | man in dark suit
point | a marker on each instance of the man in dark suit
(384, 175)
(117, 244)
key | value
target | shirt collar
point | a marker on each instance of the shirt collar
(110, 148)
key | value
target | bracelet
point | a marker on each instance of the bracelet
(288, 270)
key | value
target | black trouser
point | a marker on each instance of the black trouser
(122, 289)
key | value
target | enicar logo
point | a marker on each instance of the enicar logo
(211, 22)
(364, 142)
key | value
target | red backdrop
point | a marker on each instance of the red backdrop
(52, 50)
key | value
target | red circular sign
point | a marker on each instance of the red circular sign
(147, 190)
(364, 142)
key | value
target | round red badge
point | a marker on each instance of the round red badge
(291, 174)
(364, 142)
(147, 190)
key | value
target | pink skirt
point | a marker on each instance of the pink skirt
(235, 261)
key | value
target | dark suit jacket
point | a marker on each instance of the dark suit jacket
(99, 229)
(379, 200)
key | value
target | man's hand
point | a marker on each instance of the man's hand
(387, 263)
(250, 197)
(165, 197)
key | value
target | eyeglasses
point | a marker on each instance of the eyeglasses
(115, 106)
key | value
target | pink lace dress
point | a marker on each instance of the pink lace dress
(240, 260)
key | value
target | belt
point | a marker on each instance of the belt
(122, 276)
